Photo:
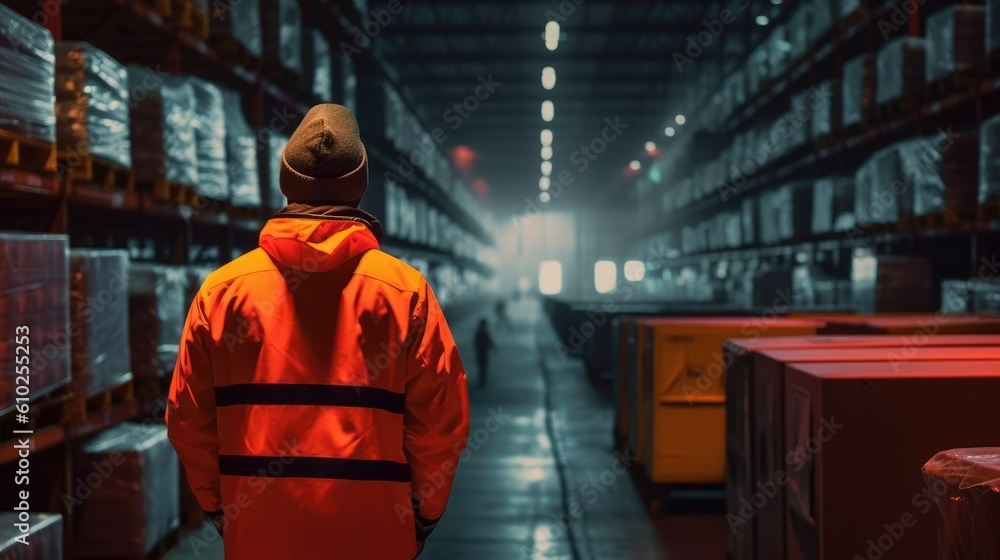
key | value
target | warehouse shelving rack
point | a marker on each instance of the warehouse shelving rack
(171, 231)
(957, 247)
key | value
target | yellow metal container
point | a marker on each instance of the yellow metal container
(681, 435)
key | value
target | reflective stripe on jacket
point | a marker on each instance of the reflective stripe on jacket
(318, 396)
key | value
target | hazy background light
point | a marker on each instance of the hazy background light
(680, 119)
(635, 271)
(548, 111)
(550, 277)
(605, 277)
(546, 152)
(546, 168)
(545, 183)
(650, 147)
(669, 131)
(545, 197)
(548, 77)
(546, 137)
(635, 165)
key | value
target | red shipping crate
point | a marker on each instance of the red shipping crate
(856, 436)
(741, 434)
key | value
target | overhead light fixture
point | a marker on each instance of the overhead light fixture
(650, 147)
(669, 131)
(635, 165)
(545, 197)
(547, 168)
(548, 111)
(548, 77)
(552, 35)
(545, 183)
(763, 20)
(546, 152)
(680, 119)
(546, 137)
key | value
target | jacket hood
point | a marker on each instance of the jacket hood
(315, 243)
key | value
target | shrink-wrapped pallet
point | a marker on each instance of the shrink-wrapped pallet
(833, 205)
(778, 52)
(243, 173)
(900, 69)
(882, 195)
(238, 22)
(827, 109)
(162, 122)
(858, 90)
(44, 537)
(849, 7)
(136, 504)
(276, 145)
(92, 104)
(34, 312)
(955, 41)
(748, 221)
(156, 317)
(989, 159)
(283, 34)
(27, 77)
(965, 485)
(210, 140)
(321, 64)
(821, 20)
(942, 171)
(892, 284)
(99, 320)
(956, 297)
(758, 70)
(987, 297)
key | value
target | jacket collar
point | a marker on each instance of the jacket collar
(319, 239)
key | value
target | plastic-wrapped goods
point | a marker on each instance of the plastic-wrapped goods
(798, 31)
(880, 189)
(821, 20)
(237, 21)
(162, 128)
(827, 109)
(849, 7)
(92, 104)
(799, 217)
(322, 66)
(955, 41)
(992, 26)
(956, 297)
(774, 207)
(758, 70)
(989, 159)
(34, 293)
(283, 36)
(779, 52)
(748, 216)
(276, 145)
(44, 537)
(942, 171)
(137, 504)
(833, 205)
(156, 317)
(243, 175)
(987, 297)
(965, 484)
(858, 89)
(27, 77)
(98, 291)
(800, 117)
(892, 284)
(900, 69)
(210, 140)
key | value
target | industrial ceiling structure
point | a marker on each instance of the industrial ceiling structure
(614, 60)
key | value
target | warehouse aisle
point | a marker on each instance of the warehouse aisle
(523, 464)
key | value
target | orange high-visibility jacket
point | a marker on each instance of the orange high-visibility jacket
(319, 397)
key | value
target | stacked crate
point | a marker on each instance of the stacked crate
(34, 310)
(92, 108)
(956, 42)
(156, 317)
(164, 147)
(210, 137)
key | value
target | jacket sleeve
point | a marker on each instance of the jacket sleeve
(436, 415)
(190, 417)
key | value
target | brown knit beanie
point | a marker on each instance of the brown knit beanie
(325, 161)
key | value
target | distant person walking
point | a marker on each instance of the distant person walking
(501, 311)
(484, 345)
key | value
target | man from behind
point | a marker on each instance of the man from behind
(319, 404)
